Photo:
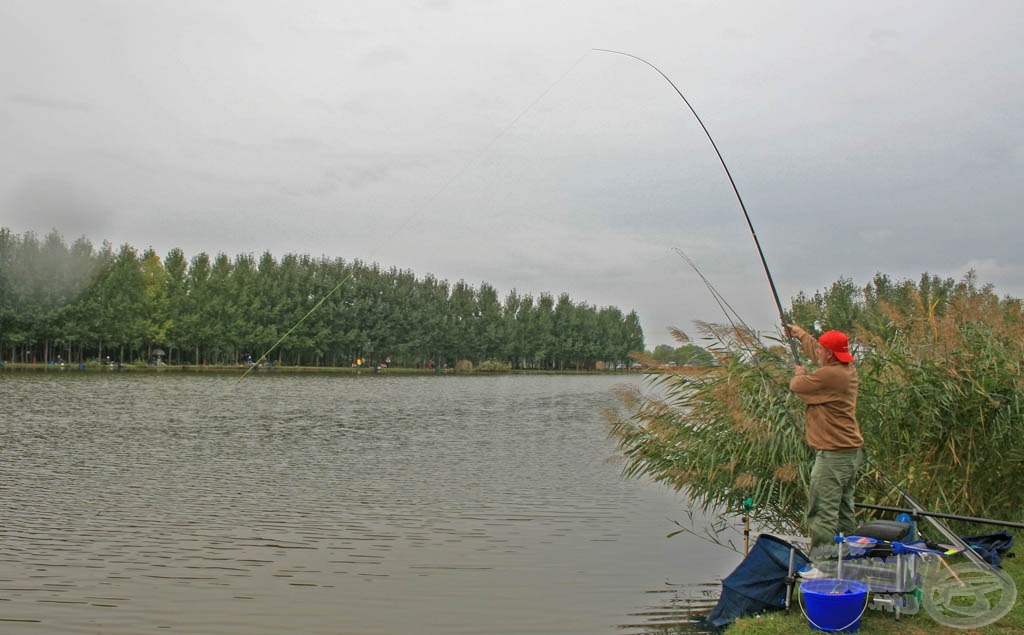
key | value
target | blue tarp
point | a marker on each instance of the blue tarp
(758, 583)
(991, 547)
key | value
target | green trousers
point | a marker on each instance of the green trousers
(830, 508)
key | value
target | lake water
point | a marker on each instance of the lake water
(181, 503)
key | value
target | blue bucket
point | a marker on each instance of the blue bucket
(833, 606)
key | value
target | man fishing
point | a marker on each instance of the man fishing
(830, 393)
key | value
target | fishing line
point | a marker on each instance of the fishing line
(723, 304)
(750, 225)
(419, 209)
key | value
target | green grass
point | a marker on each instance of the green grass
(882, 623)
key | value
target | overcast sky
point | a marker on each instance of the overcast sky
(486, 140)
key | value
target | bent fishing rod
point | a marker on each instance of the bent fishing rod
(936, 524)
(750, 225)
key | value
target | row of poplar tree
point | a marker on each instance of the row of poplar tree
(75, 303)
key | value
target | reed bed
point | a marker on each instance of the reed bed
(940, 407)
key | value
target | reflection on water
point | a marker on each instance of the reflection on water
(191, 504)
(676, 609)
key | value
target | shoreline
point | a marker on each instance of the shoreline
(312, 370)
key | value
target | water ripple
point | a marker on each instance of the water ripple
(322, 505)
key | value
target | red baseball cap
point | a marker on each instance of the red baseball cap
(838, 343)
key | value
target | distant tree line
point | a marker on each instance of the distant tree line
(685, 355)
(82, 303)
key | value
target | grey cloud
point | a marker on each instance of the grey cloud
(50, 201)
(50, 103)
(381, 57)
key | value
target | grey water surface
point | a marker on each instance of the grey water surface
(182, 503)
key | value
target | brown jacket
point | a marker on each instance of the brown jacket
(830, 393)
